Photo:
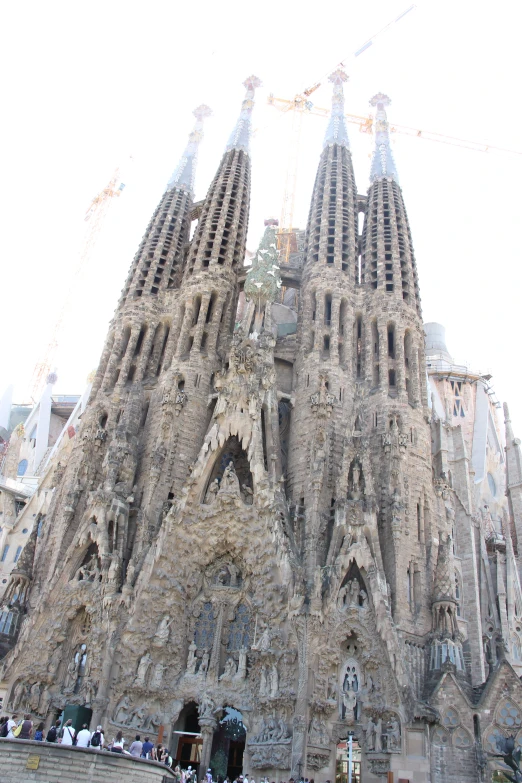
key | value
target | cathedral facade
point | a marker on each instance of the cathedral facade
(289, 525)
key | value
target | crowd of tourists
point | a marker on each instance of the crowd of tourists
(22, 727)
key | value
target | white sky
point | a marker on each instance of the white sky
(86, 85)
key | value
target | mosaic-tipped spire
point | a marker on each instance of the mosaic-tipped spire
(184, 175)
(337, 132)
(240, 137)
(383, 164)
(263, 279)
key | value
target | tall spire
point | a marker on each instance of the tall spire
(183, 176)
(383, 164)
(240, 137)
(337, 132)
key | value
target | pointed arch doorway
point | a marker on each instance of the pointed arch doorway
(228, 745)
(348, 761)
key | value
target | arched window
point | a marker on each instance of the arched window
(240, 629)
(22, 467)
(205, 627)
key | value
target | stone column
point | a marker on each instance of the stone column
(129, 355)
(185, 326)
(100, 703)
(147, 345)
(208, 727)
(198, 331)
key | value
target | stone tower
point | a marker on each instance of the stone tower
(270, 536)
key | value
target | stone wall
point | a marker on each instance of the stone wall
(60, 764)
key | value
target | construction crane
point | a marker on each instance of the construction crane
(301, 105)
(94, 216)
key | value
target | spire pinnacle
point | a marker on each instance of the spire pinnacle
(240, 137)
(383, 164)
(183, 176)
(337, 132)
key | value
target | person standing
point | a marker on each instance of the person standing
(11, 724)
(52, 734)
(147, 748)
(68, 733)
(38, 734)
(97, 738)
(83, 738)
(136, 747)
(27, 728)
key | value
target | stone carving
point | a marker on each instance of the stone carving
(203, 666)
(157, 677)
(263, 644)
(322, 401)
(242, 665)
(121, 713)
(370, 734)
(34, 697)
(393, 736)
(378, 736)
(271, 731)
(230, 670)
(143, 668)
(379, 766)
(317, 734)
(192, 659)
(317, 760)
(161, 636)
(229, 480)
(89, 572)
(206, 706)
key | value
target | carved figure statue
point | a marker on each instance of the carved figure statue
(206, 706)
(161, 636)
(143, 668)
(45, 701)
(263, 682)
(229, 480)
(157, 677)
(349, 706)
(203, 666)
(122, 709)
(34, 697)
(341, 598)
(192, 659)
(274, 681)
(230, 669)
(213, 489)
(394, 734)
(332, 688)
(72, 672)
(136, 717)
(264, 641)
(378, 736)
(284, 732)
(89, 571)
(354, 592)
(370, 734)
(242, 666)
(364, 598)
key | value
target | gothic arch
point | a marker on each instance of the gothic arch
(231, 451)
